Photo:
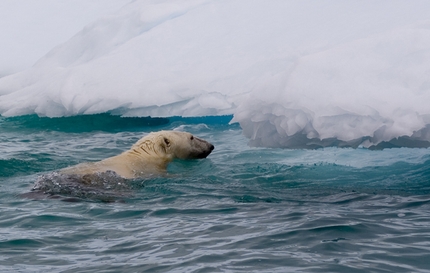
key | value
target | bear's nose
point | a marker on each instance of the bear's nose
(212, 147)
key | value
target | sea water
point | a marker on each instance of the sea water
(242, 209)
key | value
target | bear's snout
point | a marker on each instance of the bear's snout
(211, 148)
(205, 153)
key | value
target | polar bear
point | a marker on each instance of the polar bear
(149, 155)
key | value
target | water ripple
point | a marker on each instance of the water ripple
(240, 210)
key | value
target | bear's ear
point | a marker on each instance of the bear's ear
(167, 142)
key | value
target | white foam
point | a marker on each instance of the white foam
(293, 73)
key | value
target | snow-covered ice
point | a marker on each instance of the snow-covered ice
(299, 73)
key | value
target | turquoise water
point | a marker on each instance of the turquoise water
(242, 209)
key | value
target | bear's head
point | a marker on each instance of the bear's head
(174, 144)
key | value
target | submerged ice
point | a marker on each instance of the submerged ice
(292, 73)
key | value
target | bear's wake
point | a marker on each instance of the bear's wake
(102, 186)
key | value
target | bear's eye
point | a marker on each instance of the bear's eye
(191, 137)
(166, 141)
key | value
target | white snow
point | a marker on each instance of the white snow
(29, 28)
(299, 73)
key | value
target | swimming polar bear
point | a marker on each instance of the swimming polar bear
(149, 155)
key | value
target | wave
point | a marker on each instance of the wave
(105, 122)
(291, 75)
(83, 123)
(248, 183)
(13, 167)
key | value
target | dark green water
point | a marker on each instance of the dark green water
(240, 210)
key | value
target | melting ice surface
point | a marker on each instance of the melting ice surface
(292, 73)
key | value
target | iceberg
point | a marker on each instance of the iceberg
(294, 74)
(29, 29)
